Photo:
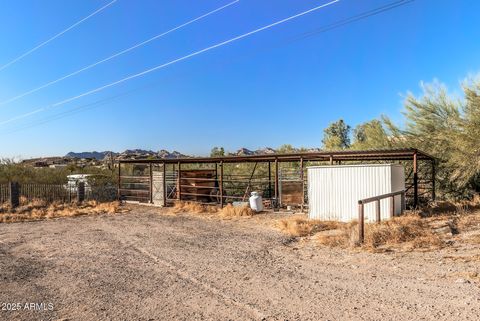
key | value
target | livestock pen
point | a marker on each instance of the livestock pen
(280, 178)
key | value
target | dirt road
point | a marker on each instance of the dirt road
(145, 266)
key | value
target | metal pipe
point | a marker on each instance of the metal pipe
(151, 183)
(269, 179)
(361, 227)
(392, 206)
(303, 183)
(276, 180)
(179, 184)
(221, 184)
(119, 196)
(164, 185)
(377, 211)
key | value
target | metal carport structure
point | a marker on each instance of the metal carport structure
(140, 179)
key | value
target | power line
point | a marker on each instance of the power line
(168, 63)
(302, 36)
(116, 54)
(56, 36)
(354, 18)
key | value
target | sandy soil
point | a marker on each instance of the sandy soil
(146, 266)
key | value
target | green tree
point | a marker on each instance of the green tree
(336, 136)
(371, 135)
(217, 152)
(447, 128)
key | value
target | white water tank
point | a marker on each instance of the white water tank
(256, 203)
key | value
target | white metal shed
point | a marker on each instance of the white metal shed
(334, 190)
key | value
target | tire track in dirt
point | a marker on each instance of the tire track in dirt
(254, 312)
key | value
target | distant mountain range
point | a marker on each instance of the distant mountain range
(129, 153)
(93, 155)
(141, 153)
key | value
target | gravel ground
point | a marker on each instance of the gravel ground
(146, 266)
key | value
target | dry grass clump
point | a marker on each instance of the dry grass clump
(301, 226)
(228, 211)
(37, 210)
(406, 232)
(468, 221)
(236, 211)
(194, 208)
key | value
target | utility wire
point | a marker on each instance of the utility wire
(56, 36)
(168, 63)
(116, 54)
(354, 18)
(302, 36)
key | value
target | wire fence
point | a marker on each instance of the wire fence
(59, 193)
(4, 193)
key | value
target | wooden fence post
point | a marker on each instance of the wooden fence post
(80, 192)
(14, 194)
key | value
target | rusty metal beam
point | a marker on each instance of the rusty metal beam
(349, 155)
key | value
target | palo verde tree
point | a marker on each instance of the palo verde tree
(371, 135)
(447, 128)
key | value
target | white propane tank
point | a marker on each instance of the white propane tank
(256, 203)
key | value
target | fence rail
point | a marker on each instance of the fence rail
(377, 199)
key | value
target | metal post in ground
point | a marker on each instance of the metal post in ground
(303, 183)
(179, 182)
(164, 185)
(151, 182)
(80, 192)
(14, 194)
(361, 227)
(392, 206)
(377, 211)
(119, 189)
(221, 184)
(277, 201)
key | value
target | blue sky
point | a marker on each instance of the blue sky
(265, 90)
